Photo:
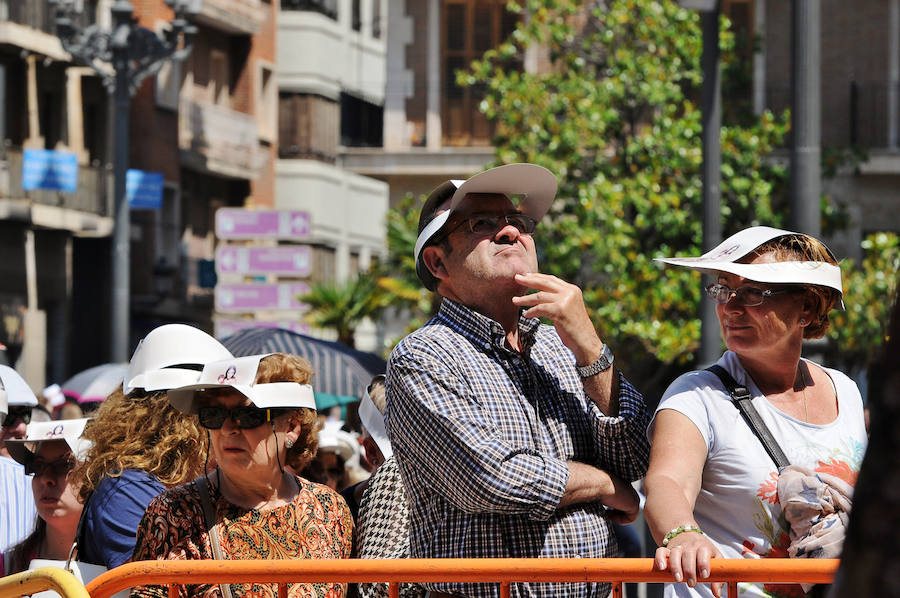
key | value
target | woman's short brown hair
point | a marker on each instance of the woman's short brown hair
(281, 367)
(803, 248)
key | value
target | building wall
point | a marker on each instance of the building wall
(854, 48)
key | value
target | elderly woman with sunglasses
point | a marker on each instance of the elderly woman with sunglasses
(712, 488)
(48, 452)
(260, 415)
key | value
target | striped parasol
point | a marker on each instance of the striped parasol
(341, 374)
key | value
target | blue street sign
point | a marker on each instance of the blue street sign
(49, 169)
(144, 190)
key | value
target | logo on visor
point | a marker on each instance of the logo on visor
(229, 375)
(725, 252)
(56, 431)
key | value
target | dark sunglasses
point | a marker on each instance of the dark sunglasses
(245, 416)
(488, 224)
(58, 468)
(23, 413)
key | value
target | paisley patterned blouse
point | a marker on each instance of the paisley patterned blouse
(316, 525)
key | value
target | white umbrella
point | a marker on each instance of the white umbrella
(96, 383)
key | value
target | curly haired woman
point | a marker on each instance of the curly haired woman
(141, 444)
(261, 419)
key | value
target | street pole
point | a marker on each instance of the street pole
(806, 118)
(710, 342)
(121, 245)
(134, 53)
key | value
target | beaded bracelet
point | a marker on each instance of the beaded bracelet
(679, 530)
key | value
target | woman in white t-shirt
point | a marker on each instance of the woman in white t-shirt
(711, 486)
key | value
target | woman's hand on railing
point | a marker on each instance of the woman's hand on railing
(687, 557)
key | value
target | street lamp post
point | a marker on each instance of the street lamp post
(711, 172)
(123, 56)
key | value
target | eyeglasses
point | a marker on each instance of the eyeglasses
(15, 413)
(746, 296)
(487, 224)
(245, 416)
(57, 468)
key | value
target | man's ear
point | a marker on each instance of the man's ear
(433, 258)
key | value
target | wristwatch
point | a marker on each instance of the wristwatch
(603, 363)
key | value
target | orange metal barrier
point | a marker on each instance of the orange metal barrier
(503, 571)
(45, 578)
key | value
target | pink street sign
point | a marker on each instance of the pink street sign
(294, 260)
(239, 223)
(226, 327)
(255, 296)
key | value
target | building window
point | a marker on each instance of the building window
(267, 103)
(308, 127)
(325, 7)
(361, 122)
(218, 85)
(323, 264)
(356, 13)
(737, 89)
(470, 28)
(376, 19)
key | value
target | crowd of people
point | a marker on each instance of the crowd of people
(501, 428)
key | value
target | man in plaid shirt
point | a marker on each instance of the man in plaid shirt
(514, 438)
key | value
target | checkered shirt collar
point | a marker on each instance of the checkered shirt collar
(478, 328)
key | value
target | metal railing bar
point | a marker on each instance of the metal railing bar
(449, 570)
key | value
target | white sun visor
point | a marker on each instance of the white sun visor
(724, 256)
(535, 184)
(69, 430)
(239, 373)
(171, 356)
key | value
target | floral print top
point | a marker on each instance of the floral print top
(316, 525)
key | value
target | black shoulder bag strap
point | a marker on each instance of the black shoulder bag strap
(740, 397)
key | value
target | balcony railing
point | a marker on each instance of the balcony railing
(325, 7)
(40, 14)
(217, 139)
(238, 17)
(91, 195)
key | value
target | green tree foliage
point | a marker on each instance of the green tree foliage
(397, 275)
(870, 289)
(342, 307)
(615, 117)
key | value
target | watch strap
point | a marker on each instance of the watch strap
(601, 364)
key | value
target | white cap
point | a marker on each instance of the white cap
(723, 258)
(69, 430)
(239, 373)
(373, 421)
(54, 395)
(171, 356)
(17, 390)
(335, 440)
(535, 183)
